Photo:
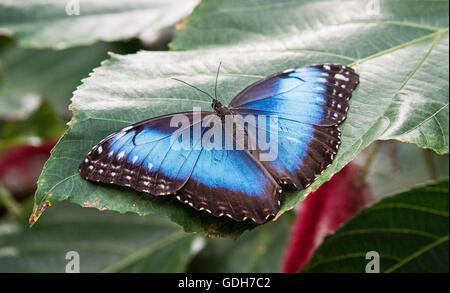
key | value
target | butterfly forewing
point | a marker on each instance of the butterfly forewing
(309, 103)
(141, 156)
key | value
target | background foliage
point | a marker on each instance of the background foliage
(397, 47)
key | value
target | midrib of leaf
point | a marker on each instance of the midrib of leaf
(436, 34)
(433, 45)
(284, 5)
(388, 230)
(257, 7)
(397, 23)
(417, 254)
(315, 52)
(410, 207)
(400, 262)
(348, 256)
(143, 252)
(61, 181)
(431, 117)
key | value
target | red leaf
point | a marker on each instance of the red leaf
(323, 212)
(20, 166)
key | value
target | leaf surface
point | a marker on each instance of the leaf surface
(403, 92)
(62, 24)
(409, 231)
(105, 242)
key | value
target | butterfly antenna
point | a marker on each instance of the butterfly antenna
(217, 77)
(193, 87)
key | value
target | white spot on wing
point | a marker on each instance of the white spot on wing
(341, 77)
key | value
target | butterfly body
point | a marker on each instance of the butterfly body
(308, 103)
(220, 110)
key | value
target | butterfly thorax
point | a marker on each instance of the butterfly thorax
(220, 110)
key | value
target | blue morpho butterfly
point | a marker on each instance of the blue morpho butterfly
(309, 102)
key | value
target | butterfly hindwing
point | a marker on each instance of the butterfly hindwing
(231, 183)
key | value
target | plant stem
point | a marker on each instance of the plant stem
(372, 151)
(9, 202)
(429, 162)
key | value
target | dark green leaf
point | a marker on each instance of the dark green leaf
(105, 241)
(409, 231)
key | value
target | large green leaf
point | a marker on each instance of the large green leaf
(409, 231)
(403, 92)
(60, 24)
(105, 241)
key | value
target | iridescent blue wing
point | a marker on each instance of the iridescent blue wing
(223, 182)
(309, 103)
(231, 182)
(142, 156)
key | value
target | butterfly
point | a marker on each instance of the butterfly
(309, 104)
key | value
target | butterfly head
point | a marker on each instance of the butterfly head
(216, 104)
